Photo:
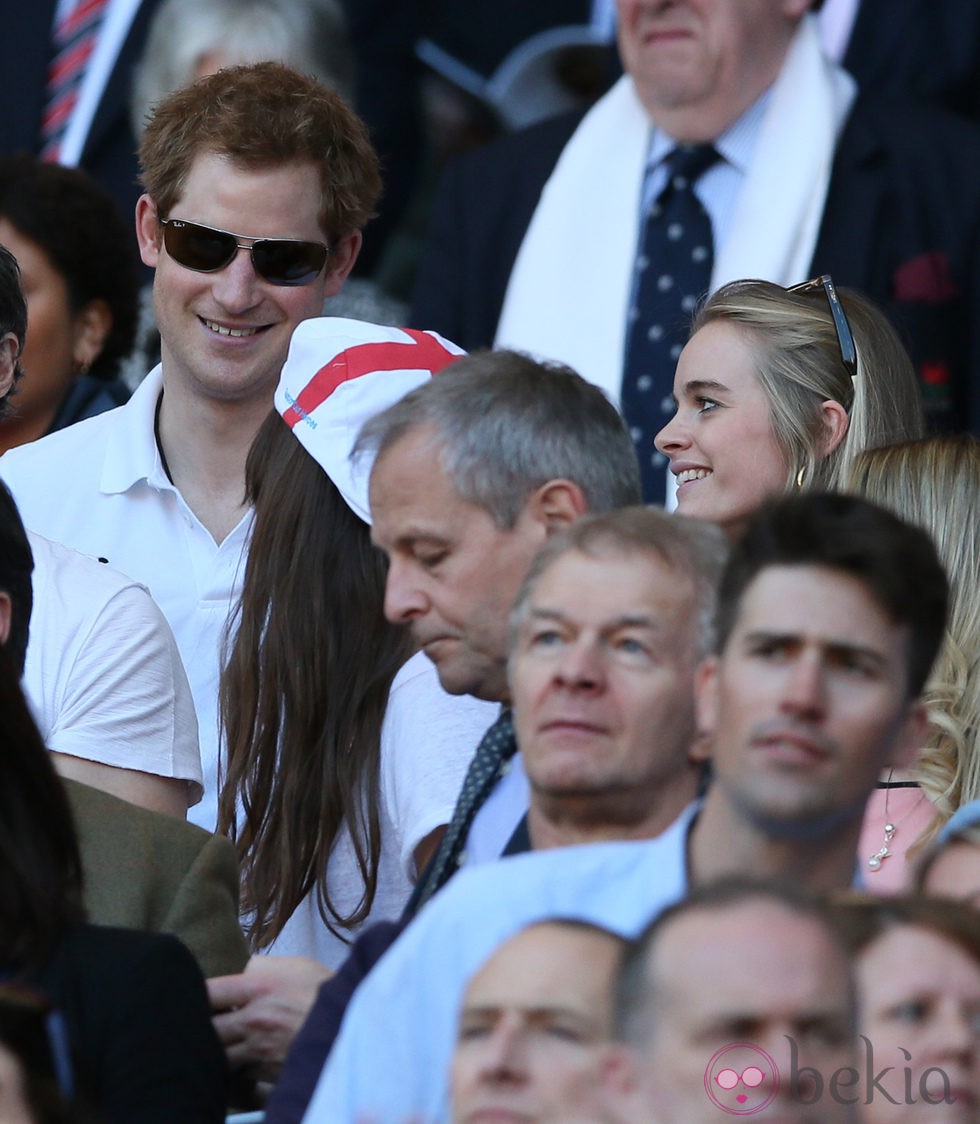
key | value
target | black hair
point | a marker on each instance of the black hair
(77, 224)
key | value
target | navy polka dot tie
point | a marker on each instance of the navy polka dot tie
(673, 270)
(491, 759)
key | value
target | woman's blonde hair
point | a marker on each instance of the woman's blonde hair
(800, 366)
(935, 483)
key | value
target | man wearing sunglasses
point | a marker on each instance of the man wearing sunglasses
(257, 183)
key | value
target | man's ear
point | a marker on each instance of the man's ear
(6, 614)
(557, 504)
(343, 254)
(9, 350)
(149, 233)
(912, 736)
(835, 421)
(706, 702)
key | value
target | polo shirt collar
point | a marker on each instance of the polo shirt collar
(131, 454)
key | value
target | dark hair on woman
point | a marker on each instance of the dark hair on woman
(304, 690)
(78, 226)
(40, 867)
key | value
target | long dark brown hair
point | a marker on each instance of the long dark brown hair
(40, 867)
(304, 691)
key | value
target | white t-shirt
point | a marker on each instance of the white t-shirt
(103, 674)
(427, 741)
(99, 486)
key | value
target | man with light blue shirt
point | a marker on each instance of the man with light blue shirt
(831, 613)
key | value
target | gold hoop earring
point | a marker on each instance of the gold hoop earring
(800, 477)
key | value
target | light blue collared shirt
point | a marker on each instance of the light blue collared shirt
(391, 1060)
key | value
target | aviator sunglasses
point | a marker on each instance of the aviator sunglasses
(845, 337)
(280, 261)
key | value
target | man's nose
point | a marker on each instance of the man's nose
(506, 1055)
(236, 287)
(805, 686)
(404, 601)
(956, 1031)
(580, 665)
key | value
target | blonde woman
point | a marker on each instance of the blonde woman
(934, 483)
(781, 388)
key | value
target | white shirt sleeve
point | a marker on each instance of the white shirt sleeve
(103, 673)
(427, 742)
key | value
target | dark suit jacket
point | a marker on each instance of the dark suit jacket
(928, 49)
(110, 149)
(142, 1046)
(147, 871)
(901, 222)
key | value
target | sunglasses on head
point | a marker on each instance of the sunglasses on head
(280, 261)
(845, 338)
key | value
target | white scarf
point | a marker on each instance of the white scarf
(570, 286)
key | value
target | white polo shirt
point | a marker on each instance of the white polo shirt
(103, 674)
(99, 486)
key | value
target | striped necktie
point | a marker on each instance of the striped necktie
(75, 37)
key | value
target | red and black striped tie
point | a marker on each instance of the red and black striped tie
(75, 37)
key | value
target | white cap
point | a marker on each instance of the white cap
(339, 373)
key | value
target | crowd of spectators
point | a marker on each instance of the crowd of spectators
(514, 490)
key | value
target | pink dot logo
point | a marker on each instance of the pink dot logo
(741, 1079)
